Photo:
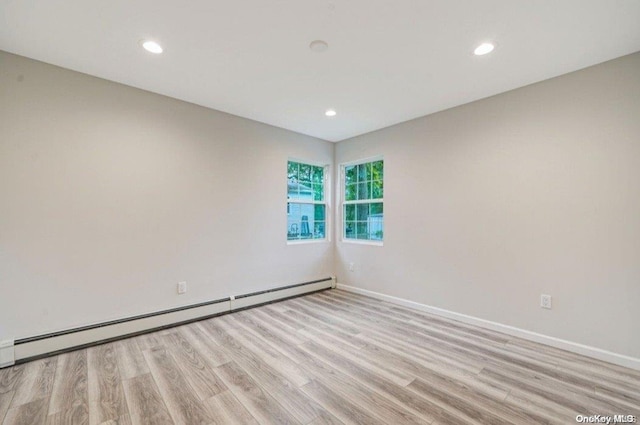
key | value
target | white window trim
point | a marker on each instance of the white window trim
(341, 202)
(326, 203)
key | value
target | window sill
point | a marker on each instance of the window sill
(307, 241)
(363, 242)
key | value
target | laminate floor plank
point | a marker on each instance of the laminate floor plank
(226, 409)
(69, 395)
(36, 382)
(281, 316)
(345, 325)
(272, 336)
(149, 341)
(554, 393)
(122, 420)
(399, 394)
(279, 386)
(318, 324)
(106, 396)
(475, 405)
(528, 401)
(346, 411)
(370, 362)
(9, 377)
(326, 418)
(31, 413)
(258, 402)
(78, 414)
(131, 362)
(408, 331)
(194, 367)
(314, 331)
(327, 358)
(414, 344)
(270, 328)
(213, 353)
(418, 349)
(619, 396)
(382, 408)
(274, 358)
(146, 405)
(5, 402)
(400, 330)
(184, 405)
(576, 359)
(416, 365)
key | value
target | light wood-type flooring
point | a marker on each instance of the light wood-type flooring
(328, 358)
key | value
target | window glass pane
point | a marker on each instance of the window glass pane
(302, 220)
(376, 208)
(350, 212)
(362, 212)
(317, 175)
(377, 190)
(299, 192)
(319, 212)
(377, 170)
(350, 174)
(292, 171)
(351, 192)
(362, 230)
(318, 192)
(305, 228)
(364, 190)
(364, 172)
(305, 173)
(376, 235)
(350, 229)
(318, 230)
(376, 221)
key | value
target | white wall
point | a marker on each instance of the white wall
(493, 203)
(110, 195)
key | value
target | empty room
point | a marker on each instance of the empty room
(319, 212)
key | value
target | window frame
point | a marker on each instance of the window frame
(326, 202)
(341, 202)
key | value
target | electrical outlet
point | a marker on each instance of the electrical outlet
(352, 267)
(545, 301)
(182, 287)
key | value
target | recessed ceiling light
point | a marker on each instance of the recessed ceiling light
(483, 49)
(152, 46)
(318, 46)
(330, 113)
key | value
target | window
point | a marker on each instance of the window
(362, 213)
(306, 206)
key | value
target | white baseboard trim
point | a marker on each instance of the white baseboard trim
(585, 350)
(31, 348)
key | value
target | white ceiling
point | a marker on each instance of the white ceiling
(388, 61)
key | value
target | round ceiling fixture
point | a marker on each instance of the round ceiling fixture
(152, 46)
(483, 49)
(318, 46)
(330, 113)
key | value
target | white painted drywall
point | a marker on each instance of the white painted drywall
(533, 191)
(111, 195)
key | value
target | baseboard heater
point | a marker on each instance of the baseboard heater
(35, 347)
